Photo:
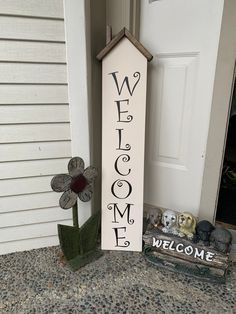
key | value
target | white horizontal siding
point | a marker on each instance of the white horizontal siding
(33, 168)
(30, 231)
(25, 51)
(33, 94)
(35, 132)
(13, 114)
(35, 216)
(15, 203)
(28, 244)
(31, 29)
(35, 141)
(37, 150)
(20, 186)
(42, 8)
(32, 73)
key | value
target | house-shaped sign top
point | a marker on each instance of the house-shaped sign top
(124, 33)
(124, 80)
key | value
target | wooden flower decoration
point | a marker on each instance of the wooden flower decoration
(78, 183)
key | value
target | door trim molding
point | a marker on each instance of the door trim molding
(123, 13)
(135, 17)
(219, 114)
(77, 35)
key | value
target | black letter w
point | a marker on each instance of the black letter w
(126, 81)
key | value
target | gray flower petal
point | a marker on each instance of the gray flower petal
(61, 182)
(90, 173)
(68, 199)
(86, 194)
(76, 166)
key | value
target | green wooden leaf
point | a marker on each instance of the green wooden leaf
(79, 245)
(89, 233)
(69, 238)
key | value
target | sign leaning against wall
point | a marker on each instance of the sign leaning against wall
(124, 80)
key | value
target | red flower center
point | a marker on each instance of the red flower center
(78, 183)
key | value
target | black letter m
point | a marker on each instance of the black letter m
(116, 208)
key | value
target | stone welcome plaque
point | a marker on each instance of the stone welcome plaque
(182, 255)
(124, 79)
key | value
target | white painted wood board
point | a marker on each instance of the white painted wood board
(15, 203)
(36, 8)
(34, 231)
(25, 185)
(35, 132)
(13, 114)
(26, 51)
(123, 134)
(33, 94)
(79, 82)
(24, 73)
(35, 216)
(32, 168)
(28, 244)
(37, 150)
(31, 29)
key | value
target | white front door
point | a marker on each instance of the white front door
(183, 37)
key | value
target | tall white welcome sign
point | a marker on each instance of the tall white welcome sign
(124, 79)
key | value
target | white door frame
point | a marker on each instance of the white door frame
(219, 114)
(77, 35)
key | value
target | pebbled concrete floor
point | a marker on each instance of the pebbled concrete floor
(38, 281)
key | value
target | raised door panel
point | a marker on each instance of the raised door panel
(172, 111)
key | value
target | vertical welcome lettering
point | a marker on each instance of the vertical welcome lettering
(122, 189)
(123, 116)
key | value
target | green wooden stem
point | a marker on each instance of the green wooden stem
(75, 216)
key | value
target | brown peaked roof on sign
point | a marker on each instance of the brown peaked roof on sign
(124, 33)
